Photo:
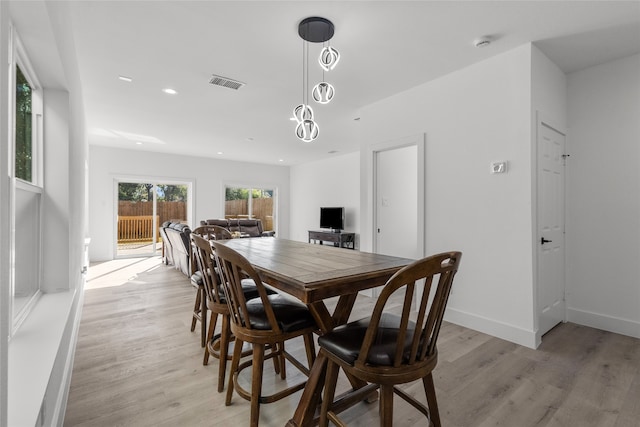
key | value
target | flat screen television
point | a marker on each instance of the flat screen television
(332, 218)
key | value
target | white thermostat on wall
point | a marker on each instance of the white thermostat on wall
(498, 167)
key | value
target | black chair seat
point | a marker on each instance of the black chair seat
(291, 315)
(248, 287)
(345, 341)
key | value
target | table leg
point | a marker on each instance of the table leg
(322, 317)
(310, 398)
(343, 309)
(305, 412)
(325, 321)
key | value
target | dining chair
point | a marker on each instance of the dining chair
(217, 346)
(266, 323)
(209, 232)
(388, 349)
(199, 313)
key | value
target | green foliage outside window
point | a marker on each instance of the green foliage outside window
(171, 193)
(135, 192)
(243, 193)
(24, 145)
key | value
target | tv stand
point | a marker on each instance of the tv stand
(340, 239)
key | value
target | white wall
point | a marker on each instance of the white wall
(31, 396)
(55, 234)
(472, 117)
(603, 197)
(330, 182)
(208, 175)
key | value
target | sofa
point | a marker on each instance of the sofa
(175, 236)
(252, 227)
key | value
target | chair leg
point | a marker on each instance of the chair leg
(331, 379)
(430, 390)
(386, 405)
(235, 362)
(213, 320)
(256, 383)
(224, 347)
(196, 310)
(203, 317)
(283, 361)
(277, 359)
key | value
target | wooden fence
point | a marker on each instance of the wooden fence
(261, 209)
(165, 210)
(135, 219)
(137, 228)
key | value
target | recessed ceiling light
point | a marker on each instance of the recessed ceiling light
(138, 143)
(281, 160)
(170, 91)
(220, 152)
(125, 79)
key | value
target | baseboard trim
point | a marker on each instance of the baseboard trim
(606, 323)
(492, 327)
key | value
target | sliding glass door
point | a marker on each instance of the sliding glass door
(254, 203)
(142, 208)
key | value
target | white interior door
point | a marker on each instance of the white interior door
(550, 239)
(397, 202)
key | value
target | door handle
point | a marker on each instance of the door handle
(543, 241)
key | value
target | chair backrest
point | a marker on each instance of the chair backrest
(220, 233)
(233, 267)
(203, 254)
(209, 232)
(435, 275)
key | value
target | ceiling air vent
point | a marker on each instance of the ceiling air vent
(225, 82)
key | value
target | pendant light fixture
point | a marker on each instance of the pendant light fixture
(314, 30)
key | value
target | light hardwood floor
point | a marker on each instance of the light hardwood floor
(137, 364)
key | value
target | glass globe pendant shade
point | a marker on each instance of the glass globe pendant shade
(307, 130)
(323, 92)
(329, 58)
(303, 112)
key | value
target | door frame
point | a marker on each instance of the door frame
(151, 180)
(544, 120)
(419, 141)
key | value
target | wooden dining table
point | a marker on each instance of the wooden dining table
(314, 273)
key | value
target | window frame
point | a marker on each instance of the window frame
(274, 188)
(19, 58)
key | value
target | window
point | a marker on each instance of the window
(247, 202)
(23, 136)
(26, 186)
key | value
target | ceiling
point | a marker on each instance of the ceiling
(386, 47)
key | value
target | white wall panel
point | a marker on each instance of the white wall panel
(603, 196)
